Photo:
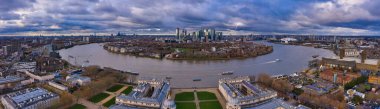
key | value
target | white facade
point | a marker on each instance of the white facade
(58, 86)
(78, 80)
(351, 53)
(40, 78)
(138, 98)
(239, 92)
(287, 40)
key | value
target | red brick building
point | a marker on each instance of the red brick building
(338, 76)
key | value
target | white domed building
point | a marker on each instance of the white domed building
(168, 104)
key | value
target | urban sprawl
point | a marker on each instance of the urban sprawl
(34, 75)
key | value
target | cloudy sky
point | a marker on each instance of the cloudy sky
(327, 17)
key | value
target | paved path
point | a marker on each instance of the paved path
(89, 104)
(196, 100)
(112, 94)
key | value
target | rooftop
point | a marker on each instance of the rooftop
(274, 104)
(242, 91)
(148, 91)
(8, 79)
(28, 97)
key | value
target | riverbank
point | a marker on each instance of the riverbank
(190, 51)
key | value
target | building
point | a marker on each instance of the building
(77, 79)
(287, 40)
(147, 94)
(202, 35)
(31, 98)
(9, 81)
(40, 77)
(169, 104)
(240, 93)
(338, 77)
(352, 63)
(25, 66)
(274, 104)
(374, 79)
(351, 52)
(58, 86)
(9, 49)
(341, 64)
(177, 34)
(318, 88)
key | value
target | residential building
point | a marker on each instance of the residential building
(338, 77)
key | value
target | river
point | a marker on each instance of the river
(292, 59)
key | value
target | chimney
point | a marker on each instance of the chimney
(341, 53)
(363, 56)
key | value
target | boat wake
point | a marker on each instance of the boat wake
(274, 61)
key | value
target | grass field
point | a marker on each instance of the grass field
(184, 96)
(210, 105)
(99, 97)
(128, 90)
(185, 105)
(77, 106)
(110, 102)
(203, 95)
(115, 88)
(184, 49)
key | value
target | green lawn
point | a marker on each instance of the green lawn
(184, 49)
(210, 105)
(115, 88)
(203, 95)
(99, 97)
(184, 96)
(77, 106)
(110, 102)
(128, 90)
(185, 105)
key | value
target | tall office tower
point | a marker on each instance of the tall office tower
(219, 36)
(207, 35)
(194, 36)
(177, 33)
(213, 35)
(5, 50)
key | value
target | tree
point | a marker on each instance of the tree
(357, 99)
(351, 84)
(297, 91)
(265, 79)
(282, 85)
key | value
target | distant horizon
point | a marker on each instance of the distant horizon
(294, 17)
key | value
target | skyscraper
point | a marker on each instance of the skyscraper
(177, 33)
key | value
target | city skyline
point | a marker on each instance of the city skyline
(105, 17)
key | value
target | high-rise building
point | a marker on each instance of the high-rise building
(202, 35)
(219, 36)
(177, 33)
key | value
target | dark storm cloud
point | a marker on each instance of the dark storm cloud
(261, 16)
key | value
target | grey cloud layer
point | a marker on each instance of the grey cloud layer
(359, 17)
